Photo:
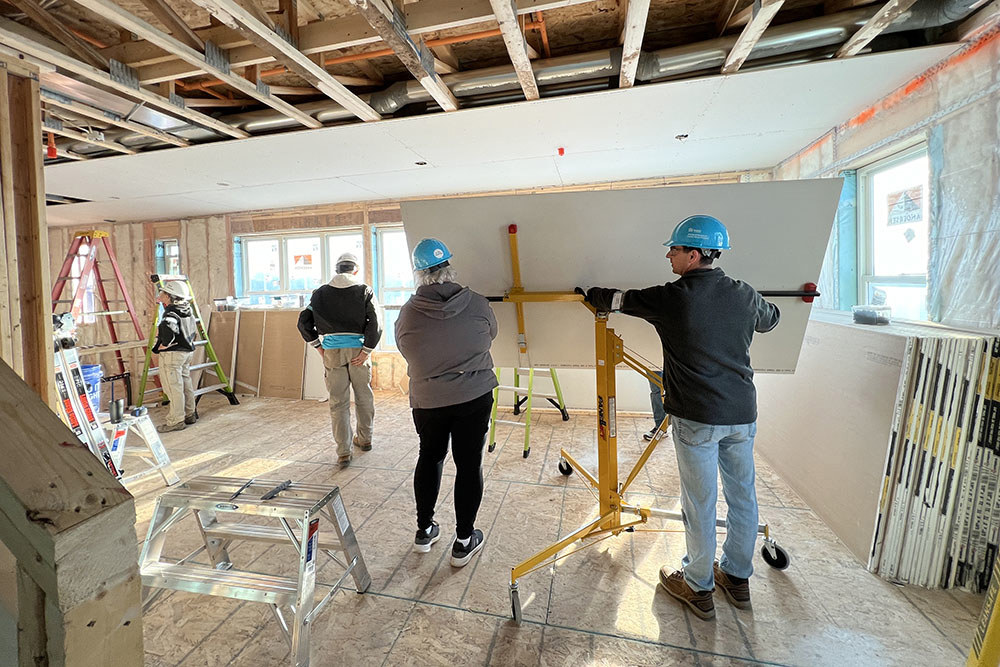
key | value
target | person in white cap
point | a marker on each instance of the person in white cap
(342, 323)
(175, 347)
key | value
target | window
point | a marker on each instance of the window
(895, 207)
(338, 244)
(305, 263)
(394, 279)
(263, 260)
(168, 257)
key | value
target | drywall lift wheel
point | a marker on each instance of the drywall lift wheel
(492, 446)
(774, 555)
(526, 452)
(515, 604)
(565, 468)
(565, 414)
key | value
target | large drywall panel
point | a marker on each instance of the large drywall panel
(749, 120)
(778, 231)
(825, 429)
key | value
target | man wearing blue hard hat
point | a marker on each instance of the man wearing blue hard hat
(706, 321)
(444, 331)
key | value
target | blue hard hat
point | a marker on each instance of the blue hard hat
(430, 253)
(700, 231)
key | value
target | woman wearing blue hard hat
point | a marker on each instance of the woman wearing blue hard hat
(706, 322)
(444, 331)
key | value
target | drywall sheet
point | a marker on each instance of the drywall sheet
(825, 429)
(778, 231)
(248, 355)
(222, 332)
(282, 357)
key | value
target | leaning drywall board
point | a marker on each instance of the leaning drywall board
(779, 232)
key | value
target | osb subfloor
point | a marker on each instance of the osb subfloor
(599, 607)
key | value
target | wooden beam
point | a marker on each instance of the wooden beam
(369, 70)
(751, 34)
(741, 17)
(307, 8)
(635, 29)
(725, 14)
(174, 23)
(441, 67)
(446, 54)
(10, 303)
(95, 75)
(212, 102)
(517, 47)
(156, 65)
(290, 16)
(235, 16)
(61, 33)
(71, 528)
(55, 100)
(890, 12)
(119, 16)
(390, 24)
(85, 138)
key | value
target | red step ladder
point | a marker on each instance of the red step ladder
(84, 251)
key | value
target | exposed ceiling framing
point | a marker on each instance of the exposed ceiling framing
(310, 63)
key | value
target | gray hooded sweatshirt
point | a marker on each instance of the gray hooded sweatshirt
(444, 332)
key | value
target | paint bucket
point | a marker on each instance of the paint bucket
(92, 374)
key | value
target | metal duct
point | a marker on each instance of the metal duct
(811, 35)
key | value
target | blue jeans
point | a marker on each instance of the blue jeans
(703, 450)
(656, 401)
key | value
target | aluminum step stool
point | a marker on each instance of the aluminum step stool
(303, 512)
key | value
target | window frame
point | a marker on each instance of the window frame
(866, 231)
(283, 270)
(379, 272)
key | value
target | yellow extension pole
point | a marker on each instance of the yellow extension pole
(986, 643)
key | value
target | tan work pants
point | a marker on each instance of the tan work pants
(175, 376)
(341, 377)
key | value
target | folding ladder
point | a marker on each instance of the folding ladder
(223, 386)
(143, 427)
(305, 514)
(523, 396)
(84, 251)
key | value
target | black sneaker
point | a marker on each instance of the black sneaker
(426, 537)
(461, 555)
(648, 435)
(191, 419)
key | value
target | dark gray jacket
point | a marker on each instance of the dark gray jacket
(444, 332)
(706, 321)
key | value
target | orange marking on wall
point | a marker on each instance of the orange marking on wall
(921, 80)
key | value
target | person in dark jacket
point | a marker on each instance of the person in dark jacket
(175, 338)
(706, 322)
(341, 322)
(444, 331)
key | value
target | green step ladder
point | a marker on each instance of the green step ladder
(523, 396)
(223, 386)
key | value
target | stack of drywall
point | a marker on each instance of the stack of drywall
(938, 519)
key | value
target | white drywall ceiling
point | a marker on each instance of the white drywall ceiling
(749, 120)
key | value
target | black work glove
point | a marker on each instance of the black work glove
(583, 291)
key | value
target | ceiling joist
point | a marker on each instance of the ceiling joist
(764, 12)
(264, 36)
(94, 75)
(174, 23)
(155, 65)
(61, 33)
(635, 29)
(54, 100)
(725, 15)
(208, 63)
(890, 12)
(391, 27)
(517, 46)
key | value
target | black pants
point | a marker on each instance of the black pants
(466, 424)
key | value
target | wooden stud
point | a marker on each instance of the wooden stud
(517, 47)
(751, 35)
(264, 36)
(51, 25)
(10, 310)
(390, 26)
(119, 16)
(635, 29)
(290, 15)
(883, 18)
(174, 23)
(446, 55)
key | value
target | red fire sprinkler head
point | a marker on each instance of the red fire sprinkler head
(512, 229)
(809, 287)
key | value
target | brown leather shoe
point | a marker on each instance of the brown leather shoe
(737, 590)
(363, 446)
(699, 602)
(344, 461)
